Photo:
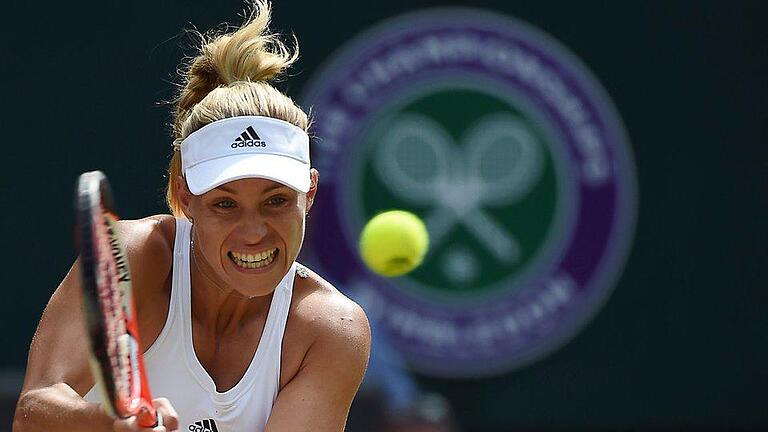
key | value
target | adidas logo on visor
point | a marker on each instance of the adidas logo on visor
(249, 138)
(208, 425)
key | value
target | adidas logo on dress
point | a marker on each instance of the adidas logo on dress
(207, 425)
(249, 138)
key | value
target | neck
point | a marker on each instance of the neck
(217, 305)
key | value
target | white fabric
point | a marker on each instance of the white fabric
(227, 150)
(175, 372)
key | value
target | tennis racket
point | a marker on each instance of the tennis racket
(115, 357)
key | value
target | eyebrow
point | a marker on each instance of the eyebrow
(225, 189)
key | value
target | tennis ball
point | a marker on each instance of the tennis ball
(394, 243)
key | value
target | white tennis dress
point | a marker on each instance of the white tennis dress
(175, 372)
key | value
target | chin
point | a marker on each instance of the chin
(257, 281)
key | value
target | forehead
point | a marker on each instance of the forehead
(252, 186)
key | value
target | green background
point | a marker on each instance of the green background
(683, 340)
(528, 219)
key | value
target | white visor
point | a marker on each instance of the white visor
(246, 147)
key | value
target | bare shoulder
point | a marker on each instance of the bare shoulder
(148, 241)
(149, 245)
(325, 354)
(153, 234)
(325, 324)
(325, 310)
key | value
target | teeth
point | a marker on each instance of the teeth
(254, 260)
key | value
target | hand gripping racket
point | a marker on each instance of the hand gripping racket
(115, 357)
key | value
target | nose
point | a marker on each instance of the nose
(252, 228)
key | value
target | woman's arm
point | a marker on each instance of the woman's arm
(319, 396)
(57, 367)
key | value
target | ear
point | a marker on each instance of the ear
(184, 195)
(312, 193)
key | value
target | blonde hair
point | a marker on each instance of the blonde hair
(229, 78)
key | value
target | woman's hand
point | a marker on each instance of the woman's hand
(164, 407)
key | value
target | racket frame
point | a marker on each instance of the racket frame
(102, 255)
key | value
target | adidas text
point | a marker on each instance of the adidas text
(248, 143)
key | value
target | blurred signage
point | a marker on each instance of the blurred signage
(511, 151)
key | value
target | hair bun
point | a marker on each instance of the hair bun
(251, 53)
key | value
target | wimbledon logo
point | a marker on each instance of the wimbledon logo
(512, 153)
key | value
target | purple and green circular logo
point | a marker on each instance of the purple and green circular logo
(512, 153)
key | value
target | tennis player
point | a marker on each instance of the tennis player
(237, 336)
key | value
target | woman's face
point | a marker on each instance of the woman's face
(248, 232)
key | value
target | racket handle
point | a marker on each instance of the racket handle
(149, 417)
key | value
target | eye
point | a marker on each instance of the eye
(225, 204)
(276, 201)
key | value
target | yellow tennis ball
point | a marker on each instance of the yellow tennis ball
(394, 243)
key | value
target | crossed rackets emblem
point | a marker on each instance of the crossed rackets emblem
(496, 162)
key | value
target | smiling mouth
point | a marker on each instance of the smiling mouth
(253, 261)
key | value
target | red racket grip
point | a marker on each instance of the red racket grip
(148, 416)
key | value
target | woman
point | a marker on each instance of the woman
(237, 336)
